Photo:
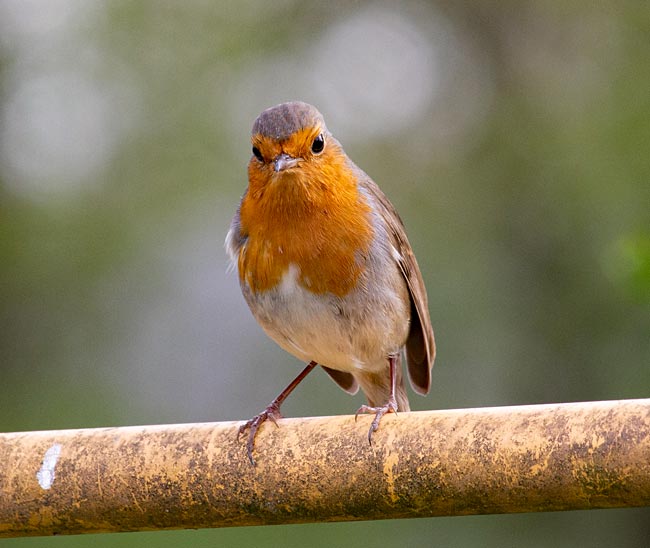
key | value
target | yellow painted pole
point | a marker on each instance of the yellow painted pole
(434, 463)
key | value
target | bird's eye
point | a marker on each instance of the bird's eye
(318, 145)
(258, 154)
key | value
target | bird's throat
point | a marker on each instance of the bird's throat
(319, 225)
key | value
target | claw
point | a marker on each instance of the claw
(272, 413)
(390, 407)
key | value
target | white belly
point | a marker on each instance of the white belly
(346, 333)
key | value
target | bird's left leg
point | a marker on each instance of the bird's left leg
(389, 407)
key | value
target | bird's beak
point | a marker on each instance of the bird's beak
(284, 161)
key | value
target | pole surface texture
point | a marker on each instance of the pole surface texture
(433, 463)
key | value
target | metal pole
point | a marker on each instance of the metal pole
(435, 463)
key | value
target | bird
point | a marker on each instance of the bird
(326, 268)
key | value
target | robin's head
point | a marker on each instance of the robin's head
(291, 140)
(303, 205)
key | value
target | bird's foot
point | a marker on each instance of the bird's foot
(390, 407)
(272, 413)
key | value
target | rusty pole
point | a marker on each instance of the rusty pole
(434, 463)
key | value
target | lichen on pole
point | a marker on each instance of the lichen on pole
(434, 463)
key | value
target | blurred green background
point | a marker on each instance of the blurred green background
(514, 139)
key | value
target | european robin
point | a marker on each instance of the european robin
(325, 266)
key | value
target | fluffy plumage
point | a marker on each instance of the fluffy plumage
(324, 262)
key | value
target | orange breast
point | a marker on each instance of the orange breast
(313, 217)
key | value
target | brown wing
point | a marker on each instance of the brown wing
(420, 344)
(345, 380)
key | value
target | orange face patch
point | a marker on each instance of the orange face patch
(311, 216)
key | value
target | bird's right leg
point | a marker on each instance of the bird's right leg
(272, 411)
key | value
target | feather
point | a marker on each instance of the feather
(420, 344)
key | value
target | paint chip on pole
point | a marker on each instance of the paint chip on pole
(46, 474)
